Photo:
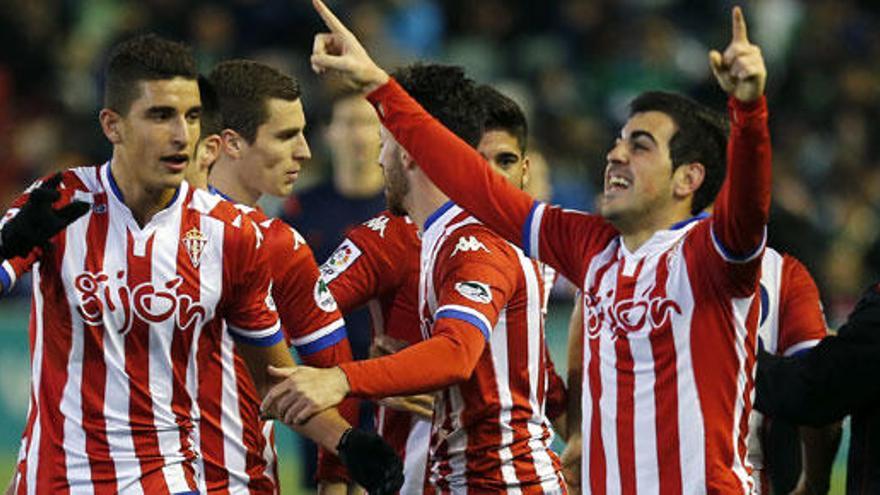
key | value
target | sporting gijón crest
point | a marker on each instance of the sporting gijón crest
(194, 241)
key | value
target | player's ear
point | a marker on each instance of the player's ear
(687, 178)
(526, 163)
(406, 159)
(111, 124)
(232, 143)
(210, 150)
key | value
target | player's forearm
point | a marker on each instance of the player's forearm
(447, 358)
(455, 167)
(325, 429)
(819, 448)
(743, 205)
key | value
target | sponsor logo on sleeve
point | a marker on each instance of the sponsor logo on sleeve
(323, 297)
(340, 260)
(478, 292)
(378, 224)
(468, 243)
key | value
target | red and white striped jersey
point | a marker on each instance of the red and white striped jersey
(490, 431)
(791, 321)
(238, 449)
(378, 265)
(670, 328)
(117, 309)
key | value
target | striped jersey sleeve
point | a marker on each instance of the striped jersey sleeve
(373, 260)
(309, 313)
(801, 319)
(250, 312)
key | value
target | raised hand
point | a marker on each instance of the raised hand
(339, 52)
(740, 70)
(303, 392)
(37, 221)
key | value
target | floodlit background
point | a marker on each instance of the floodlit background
(573, 65)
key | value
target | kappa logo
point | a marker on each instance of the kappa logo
(340, 260)
(194, 241)
(475, 291)
(323, 297)
(378, 224)
(469, 243)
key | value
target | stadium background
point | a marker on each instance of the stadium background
(572, 64)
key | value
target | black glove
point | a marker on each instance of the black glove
(371, 462)
(37, 222)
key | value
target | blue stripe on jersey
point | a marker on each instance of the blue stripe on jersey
(439, 211)
(267, 341)
(765, 304)
(732, 257)
(469, 318)
(5, 282)
(324, 342)
(191, 492)
(527, 230)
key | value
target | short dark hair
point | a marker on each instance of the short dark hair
(701, 137)
(146, 57)
(211, 123)
(448, 95)
(244, 88)
(503, 114)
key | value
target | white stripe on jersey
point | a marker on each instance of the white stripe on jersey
(740, 309)
(166, 242)
(498, 344)
(117, 393)
(416, 457)
(76, 458)
(535, 231)
(230, 419)
(691, 427)
(587, 412)
(269, 452)
(538, 423)
(317, 334)
(33, 454)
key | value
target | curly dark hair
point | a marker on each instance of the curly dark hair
(701, 137)
(503, 114)
(244, 88)
(146, 57)
(446, 93)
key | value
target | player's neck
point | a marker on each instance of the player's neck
(358, 182)
(423, 200)
(224, 178)
(636, 232)
(143, 202)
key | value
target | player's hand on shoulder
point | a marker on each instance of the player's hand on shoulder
(740, 70)
(302, 392)
(340, 53)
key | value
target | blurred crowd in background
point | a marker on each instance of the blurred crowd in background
(572, 64)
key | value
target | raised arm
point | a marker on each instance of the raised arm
(743, 204)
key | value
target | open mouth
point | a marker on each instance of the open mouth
(616, 183)
(177, 161)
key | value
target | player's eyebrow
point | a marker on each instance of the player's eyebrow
(288, 132)
(640, 133)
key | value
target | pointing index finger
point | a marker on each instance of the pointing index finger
(329, 17)
(740, 32)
